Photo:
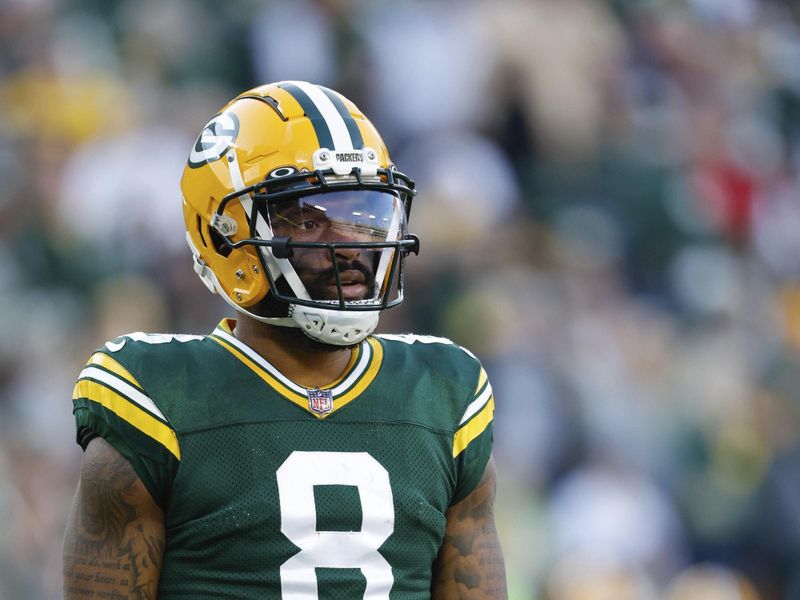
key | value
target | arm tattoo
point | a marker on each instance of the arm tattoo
(114, 542)
(470, 564)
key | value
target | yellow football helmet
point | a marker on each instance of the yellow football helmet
(295, 213)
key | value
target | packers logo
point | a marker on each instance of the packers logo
(217, 136)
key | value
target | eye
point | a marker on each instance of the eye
(308, 224)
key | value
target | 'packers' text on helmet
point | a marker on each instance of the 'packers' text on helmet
(295, 214)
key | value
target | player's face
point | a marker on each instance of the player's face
(339, 217)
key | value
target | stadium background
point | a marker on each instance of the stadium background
(610, 218)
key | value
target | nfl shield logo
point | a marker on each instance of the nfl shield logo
(320, 401)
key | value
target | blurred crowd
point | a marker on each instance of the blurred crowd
(609, 211)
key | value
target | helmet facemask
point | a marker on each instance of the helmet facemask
(341, 246)
(332, 247)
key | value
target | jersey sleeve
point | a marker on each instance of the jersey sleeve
(472, 442)
(109, 402)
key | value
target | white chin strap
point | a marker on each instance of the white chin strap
(334, 327)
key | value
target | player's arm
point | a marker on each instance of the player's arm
(470, 562)
(114, 540)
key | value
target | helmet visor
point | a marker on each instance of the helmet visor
(343, 243)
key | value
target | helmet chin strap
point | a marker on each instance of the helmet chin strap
(334, 327)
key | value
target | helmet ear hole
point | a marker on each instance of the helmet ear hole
(200, 231)
(219, 243)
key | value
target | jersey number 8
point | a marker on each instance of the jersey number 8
(297, 476)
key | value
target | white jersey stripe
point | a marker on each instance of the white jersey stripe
(124, 388)
(258, 359)
(366, 354)
(477, 404)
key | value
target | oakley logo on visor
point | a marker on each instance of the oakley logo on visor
(217, 136)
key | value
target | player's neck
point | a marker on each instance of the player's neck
(301, 359)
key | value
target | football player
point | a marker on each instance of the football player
(291, 453)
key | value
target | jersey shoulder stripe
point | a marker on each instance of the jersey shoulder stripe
(128, 388)
(478, 415)
(104, 361)
(128, 411)
(472, 408)
(482, 395)
(473, 429)
(108, 384)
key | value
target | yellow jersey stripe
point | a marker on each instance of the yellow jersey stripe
(354, 357)
(354, 369)
(476, 405)
(122, 387)
(367, 378)
(473, 429)
(481, 381)
(269, 379)
(363, 381)
(104, 360)
(351, 378)
(128, 411)
(227, 325)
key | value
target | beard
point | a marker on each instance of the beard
(317, 288)
(317, 285)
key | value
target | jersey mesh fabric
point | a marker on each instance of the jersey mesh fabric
(216, 540)
(248, 456)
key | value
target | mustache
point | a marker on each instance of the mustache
(321, 281)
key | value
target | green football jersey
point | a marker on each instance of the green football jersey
(272, 490)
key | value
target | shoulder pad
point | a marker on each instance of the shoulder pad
(410, 338)
(117, 343)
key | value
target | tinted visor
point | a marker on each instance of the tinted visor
(348, 216)
(352, 235)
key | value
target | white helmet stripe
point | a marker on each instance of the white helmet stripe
(321, 110)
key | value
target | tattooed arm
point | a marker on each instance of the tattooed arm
(470, 563)
(114, 541)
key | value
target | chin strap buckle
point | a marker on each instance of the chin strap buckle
(201, 268)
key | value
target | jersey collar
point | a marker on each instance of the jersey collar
(360, 372)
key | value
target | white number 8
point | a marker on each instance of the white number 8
(297, 477)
